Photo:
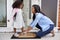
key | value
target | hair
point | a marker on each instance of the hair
(17, 4)
(37, 10)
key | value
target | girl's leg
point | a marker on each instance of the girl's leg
(14, 30)
(15, 34)
(22, 29)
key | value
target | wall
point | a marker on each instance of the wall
(38, 2)
(26, 13)
(49, 7)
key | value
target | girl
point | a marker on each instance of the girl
(17, 15)
(41, 21)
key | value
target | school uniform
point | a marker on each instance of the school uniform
(18, 22)
(42, 22)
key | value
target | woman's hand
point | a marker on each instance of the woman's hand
(28, 29)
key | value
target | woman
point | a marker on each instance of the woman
(41, 21)
(17, 15)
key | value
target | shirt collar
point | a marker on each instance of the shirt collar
(36, 13)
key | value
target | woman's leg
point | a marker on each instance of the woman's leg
(43, 33)
(52, 32)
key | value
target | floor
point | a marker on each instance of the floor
(7, 36)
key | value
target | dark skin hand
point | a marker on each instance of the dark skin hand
(28, 29)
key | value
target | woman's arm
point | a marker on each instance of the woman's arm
(33, 24)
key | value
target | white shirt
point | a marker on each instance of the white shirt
(19, 22)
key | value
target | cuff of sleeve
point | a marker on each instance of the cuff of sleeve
(31, 26)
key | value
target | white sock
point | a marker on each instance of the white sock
(16, 34)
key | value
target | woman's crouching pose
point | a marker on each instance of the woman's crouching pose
(41, 21)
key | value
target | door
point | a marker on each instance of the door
(49, 7)
(29, 14)
(5, 11)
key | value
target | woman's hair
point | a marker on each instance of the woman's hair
(17, 4)
(37, 10)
